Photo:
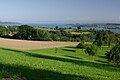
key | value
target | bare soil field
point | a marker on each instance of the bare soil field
(31, 45)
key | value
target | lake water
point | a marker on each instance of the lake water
(51, 25)
(62, 26)
(67, 26)
(113, 30)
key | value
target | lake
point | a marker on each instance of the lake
(67, 26)
(113, 30)
(62, 26)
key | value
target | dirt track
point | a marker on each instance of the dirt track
(30, 45)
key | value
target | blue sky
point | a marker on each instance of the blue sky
(60, 11)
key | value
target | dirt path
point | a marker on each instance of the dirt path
(31, 45)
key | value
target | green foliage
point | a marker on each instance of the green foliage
(104, 38)
(65, 33)
(114, 54)
(3, 31)
(47, 36)
(118, 41)
(38, 34)
(77, 39)
(25, 32)
(79, 27)
(91, 50)
(58, 34)
(56, 27)
(55, 35)
(81, 45)
(12, 28)
(64, 38)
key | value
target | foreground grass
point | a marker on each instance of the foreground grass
(68, 63)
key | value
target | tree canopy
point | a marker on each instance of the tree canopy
(91, 50)
(114, 54)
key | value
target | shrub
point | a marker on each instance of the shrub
(91, 50)
(114, 54)
(81, 45)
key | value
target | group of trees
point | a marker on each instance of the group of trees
(26, 32)
(99, 38)
(5, 31)
(104, 38)
(114, 54)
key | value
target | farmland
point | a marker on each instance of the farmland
(29, 58)
(28, 45)
(60, 40)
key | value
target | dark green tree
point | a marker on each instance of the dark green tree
(91, 50)
(79, 27)
(3, 31)
(103, 38)
(55, 35)
(47, 36)
(56, 27)
(114, 54)
(81, 45)
(25, 32)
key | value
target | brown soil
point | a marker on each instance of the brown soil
(31, 45)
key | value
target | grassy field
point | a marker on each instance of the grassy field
(69, 63)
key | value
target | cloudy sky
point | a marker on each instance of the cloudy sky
(60, 11)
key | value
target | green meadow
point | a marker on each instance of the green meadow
(67, 63)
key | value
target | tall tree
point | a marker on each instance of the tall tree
(91, 50)
(103, 38)
(25, 32)
(114, 54)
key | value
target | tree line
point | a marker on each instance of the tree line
(99, 38)
(104, 38)
(26, 32)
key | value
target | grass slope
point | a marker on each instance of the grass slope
(68, 64)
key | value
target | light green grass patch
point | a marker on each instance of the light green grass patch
(69, 63)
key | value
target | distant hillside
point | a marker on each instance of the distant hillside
(9, 23)
(99, 25)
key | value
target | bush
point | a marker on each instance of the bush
(114, 54)
(91, 50)
(78, 39)
(81, 45)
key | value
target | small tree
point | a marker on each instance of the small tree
(91, 50)
(81, 45)
(25, 32)
(114, 54)
(103, 38)
(56, 27)
(79, 27)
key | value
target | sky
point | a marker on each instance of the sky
(60, 11)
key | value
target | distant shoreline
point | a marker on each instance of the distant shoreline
(83, 27)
